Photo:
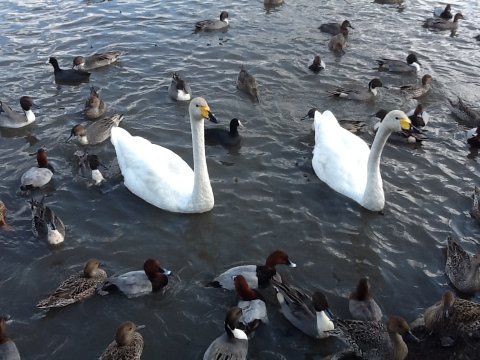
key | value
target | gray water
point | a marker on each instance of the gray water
(266, 193)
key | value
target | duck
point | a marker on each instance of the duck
(233, 344)
(39, 176)
(12, 119)
(308, 313)
(373, 340)
(8, 349)
(468, 115)
(362, 95)
(94, 106)
(159, 176)
(46, 224)
(442, 24)
(348, 165)
(475, 212)
(128, 343)
(317, 64)
(78, 287)
(254, 309)
(361, 303)
(389, 2)
(462, 268)
(473, 137)
(95, 132)
(3, 215)
(95, 61)
(418, 116)
(338, 43)
(152, 278)
(418, 90)
(336, 28)
(257, 276)
(444, 13)
(93, 163)
(411, 65)
(354, 126)
(415, 133)
(247, 83)
(69, 76)
(213, 24)
(227, 138)
(273, 2)
(179, 90)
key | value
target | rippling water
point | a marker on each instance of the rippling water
(266, 194)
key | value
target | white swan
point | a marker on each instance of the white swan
(345, 162)
(161, 177)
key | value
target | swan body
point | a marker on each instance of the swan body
(347, 164)
(161, 177)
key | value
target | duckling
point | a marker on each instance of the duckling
(206, 25)
(8, 349)
(338, 42)
(179, 89)
(247, 83)
(354, 126)
(468, 115)
(412, 64)
(96, 132)
(233, 344)
(226, 138)
(444, 13)
(335, 28)
(317, 64)
(70, 76)
(453, 317)
(94, 106)
(442, 24)
(462, 268)
(78, 287)
(95, 61)
(128, 343)
(361, 303)
(12, 119)
(36, 177)
(364, 95)
(415, 90)
(475, 212)
(46, 224)
(254, 309)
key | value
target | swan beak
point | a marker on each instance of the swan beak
(207, 114)
(405, 123)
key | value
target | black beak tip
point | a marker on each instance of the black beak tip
(212, 118)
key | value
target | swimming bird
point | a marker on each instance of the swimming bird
(389, 2)
(226, 138)
(128, 343)
(233, 344)
(257, 276)
(363, 95)
(338, 43)
(444, 13)
(179, 89)
(373, 340)
(361, 303)
(336, 28)
(78, 287)
(94, 106)
(453, 317)
(353, 126)
(95, 132)
(317, 64)
(347, 164)
(417, 116)
(442, 24)
(308, 313)
(247, 83)
(8, 349)
(3, 214)
(462, 268)
(418, 90)
(254, 309)
(95, 61)
(475, 212)
(10, 118)
(273, 2)
(213, 24)
(140, 282)
(93, 163)
(412, 64)
(69, 76)
(37, 176)
(467, 114)
(159, 176)
(46, 224)
(473, 137)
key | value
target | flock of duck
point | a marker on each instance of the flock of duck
(165, 180)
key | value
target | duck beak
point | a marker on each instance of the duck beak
(140, 327)
(291, 264)
(405, 123)
(240, 124)
(72, 134)
(329, 314)
(411, 338)
(165, 271)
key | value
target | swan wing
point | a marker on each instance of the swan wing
(152, 172)
(340, 157)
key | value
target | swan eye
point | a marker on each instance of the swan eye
(196, 105)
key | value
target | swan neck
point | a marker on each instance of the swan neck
(201, 185)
